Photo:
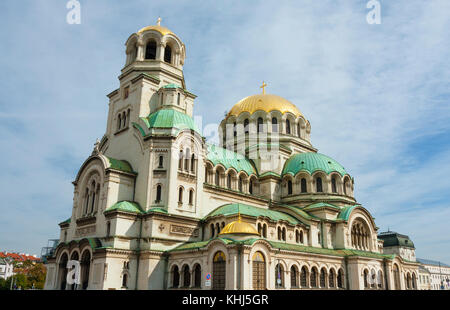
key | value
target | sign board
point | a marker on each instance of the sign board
(208, 283)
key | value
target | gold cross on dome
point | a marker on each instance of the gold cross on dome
(158, 22)
(263, 86)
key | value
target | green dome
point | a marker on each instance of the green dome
(312, 162)
(168, 118)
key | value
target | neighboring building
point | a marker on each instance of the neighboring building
(6, 268)
(439, 273)
(156, 207)
(424, 278)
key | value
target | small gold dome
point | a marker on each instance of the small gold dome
(264, 102)
(239, 227)
(162, 30)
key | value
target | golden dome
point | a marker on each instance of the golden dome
(264, 102)
(162, 30)
(239, 227)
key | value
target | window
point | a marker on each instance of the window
(319, 188)
(340, 279)
(217, 178)
(186, 276)
(313, 278)
(283, 234)
(293, 277)
(191, 197)
(333, 185)
(250, 187)
(180, 195)
(264, 231)
(180, 160)
(108, 229)
(197, 276)
(161, 161)
(240, 184)
(219, 271)
(175, 277)
(119, 122)
(303, 185)
(288, 127)
(168, 54)
(158, 193)
(274, 124)
(124, 280)
(289, 184)
(301, 236)
(331, 278)
(318, 237)
(150, 50)
(366, 282)
(322, 278)
(234, 130)
(229, 181)
(304, 277)
(162, 98)
(211, 228)
(126, 91)
(178, 98)
(279, 276)
(187, 159)
(246, 123)
(260, 125)
(193, 163)
(345, 186)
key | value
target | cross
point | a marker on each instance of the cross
(263, 87)
(158, 22)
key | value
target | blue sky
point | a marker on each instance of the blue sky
(377, 96)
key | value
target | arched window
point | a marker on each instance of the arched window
(240, 184)
(323, 275)
(294, 277)
(180, 160)
(150, 50)
(191, 197)
(297, 236)
(333, 185)
(124, 119)
(304, 277)
(246, 123)
(180, 195)
(283, 233)
(414, 281)
(380, 279)
(218, 228)
(299, 133)
(168, 54)
(250, 187)
(186, 276)
(279, 276)
(259, 229)
(161, 161)
(331, 278)
(279, 233)
(193, 163)
(301, 236)
(85, 268)
(303, 185)
(108, 229)
(217, 178)
(288, 127)
(340, 279)
(175, 277)
(119, 122)
(212, 230)
(124, 280)
(229, 181)
(319, 188)
(219, 271)
(274, 124)
(158, 193)
(86, 201)
(187, 159)
(260, 125)
(360, 235)
(264, 234)
(178, 98)
(289, 185)
(345, 186)
(197, 276)
(313, 278)
(366, 279)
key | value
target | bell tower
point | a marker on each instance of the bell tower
(152, 78)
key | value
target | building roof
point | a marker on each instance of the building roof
(312, 162)
(162, 30)
(243, 209)
(391, 238)
(126, 206)
(264, 102)
(230, 159)
(121, 165)
(169, 118)
(431, 262)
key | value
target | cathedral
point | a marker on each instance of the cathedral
(156, 206)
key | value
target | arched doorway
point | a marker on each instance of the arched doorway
(85, 266)
(396, 277)
(63, 271)
(259, 271)
(75, 257)
(219, 271)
